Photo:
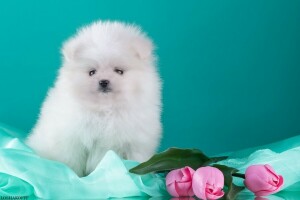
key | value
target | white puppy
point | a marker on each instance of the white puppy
(106, 97)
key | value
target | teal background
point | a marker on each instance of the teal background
(230, 68)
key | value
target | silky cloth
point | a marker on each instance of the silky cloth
(283, 156)
(24, 173)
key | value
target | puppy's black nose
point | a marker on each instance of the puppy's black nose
(104, 83)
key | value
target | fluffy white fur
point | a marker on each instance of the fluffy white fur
(79, 122)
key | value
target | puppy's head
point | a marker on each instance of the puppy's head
(109, 64)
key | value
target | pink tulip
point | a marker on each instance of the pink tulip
(262, 180)
(179, 182)
(208, 183)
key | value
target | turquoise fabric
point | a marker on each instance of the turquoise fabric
(283, 156)
(23, 173)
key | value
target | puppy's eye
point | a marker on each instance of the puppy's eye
(119, 71)
(92, 72)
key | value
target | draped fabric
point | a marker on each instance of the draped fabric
(283, 156)
(24, 173)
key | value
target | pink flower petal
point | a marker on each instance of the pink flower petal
(216, 195)
(272, 189)
(187, 173)
(208, 182)
(259, 170)
(254, 183)
(262, 180)
(179, 182)
(270, 169)
(172, 190)
(173, 176)
(199, 185)
(184, 189)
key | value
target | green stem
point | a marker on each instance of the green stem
(239, 175)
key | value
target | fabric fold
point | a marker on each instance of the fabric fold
(24, 173)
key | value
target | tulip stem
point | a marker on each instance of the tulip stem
(239, 175)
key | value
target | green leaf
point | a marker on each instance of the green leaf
(174, 158)
(233, 189)
(215, 159)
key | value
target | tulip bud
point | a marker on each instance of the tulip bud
(179, 182)
(262, 180)
(208, 183)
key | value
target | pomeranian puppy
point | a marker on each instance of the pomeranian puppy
(107, 96)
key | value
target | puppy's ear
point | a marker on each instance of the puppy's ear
(71, 49)
(143, 48)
